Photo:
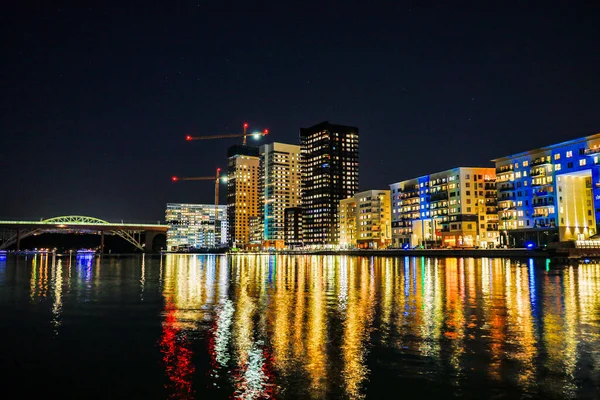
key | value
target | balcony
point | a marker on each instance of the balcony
(491, 203)
(507, 217)
(506, 187)
(410, 195)
(537, 172)
(542, 192)
(490, 186)
(439, 196)
(548, 201)
(540, 215)
(592, 151)
(540, 161)
(536, 184)
(504, 168)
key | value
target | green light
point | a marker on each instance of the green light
(547, 264)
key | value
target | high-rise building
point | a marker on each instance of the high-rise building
(192, 226)
(453, 208)
(293, 227)
(329, 174)
(550, 194)
(279, 187)
(242, 192)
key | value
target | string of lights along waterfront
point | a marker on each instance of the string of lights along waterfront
(299, 327)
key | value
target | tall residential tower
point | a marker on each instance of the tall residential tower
(242, 192)
(329, 174)
(279, 187)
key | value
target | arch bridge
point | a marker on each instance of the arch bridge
(19, 230)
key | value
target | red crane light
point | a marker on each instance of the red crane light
(188, 137)
(245, 124)
(218, 169)
(174, 179)
(266, 131)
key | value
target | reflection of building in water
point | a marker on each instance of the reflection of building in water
(177, 357)
(191, 286)
(252, 378)
(361, 292)
(571, 316)
(56, 283)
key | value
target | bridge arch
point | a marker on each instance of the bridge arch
(70, 222)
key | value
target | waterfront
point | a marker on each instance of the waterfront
(252, 326)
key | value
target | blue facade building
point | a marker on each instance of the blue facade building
(549, 194)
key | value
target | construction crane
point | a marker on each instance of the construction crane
(216, 178)
(243, 135)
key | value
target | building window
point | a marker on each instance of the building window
(557, 156)
(569, 154)
(525, 163)
(582, 162)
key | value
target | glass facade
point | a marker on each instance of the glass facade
(192, 226)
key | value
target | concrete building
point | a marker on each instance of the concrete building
(242, 192)
(329, 174)
(453, 208)
(279, 188)
(550, 194)
(347, 218)
(293, 227)
(365, 220)
(192, 226)
(373, 219)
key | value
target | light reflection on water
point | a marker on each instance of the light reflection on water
(342, 327)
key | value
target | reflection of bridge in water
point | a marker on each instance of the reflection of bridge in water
(12, 232)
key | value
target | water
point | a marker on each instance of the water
(302, 327)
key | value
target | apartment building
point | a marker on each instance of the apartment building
(452, 208)
(549, 194)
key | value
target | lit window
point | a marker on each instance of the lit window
(569, 154)
(582, 162)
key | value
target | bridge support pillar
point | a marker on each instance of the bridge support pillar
(18, 239)
(149, 238)
(101, 242)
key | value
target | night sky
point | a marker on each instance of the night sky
(96, 101)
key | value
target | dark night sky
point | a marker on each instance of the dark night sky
(96, 100)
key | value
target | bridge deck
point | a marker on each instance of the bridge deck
(83, 226)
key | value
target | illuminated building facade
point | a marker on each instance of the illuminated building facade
(347, 218)
(193, 226)
(256, 230)
(329, 174)
(373, 219)
(550, 194)
(242, 192)
(453, 208)
(279, 187)
(293, 227)
(365, 220)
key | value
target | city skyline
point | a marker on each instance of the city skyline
(98, 100)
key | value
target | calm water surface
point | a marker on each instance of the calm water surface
(184, 327)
